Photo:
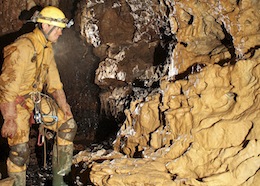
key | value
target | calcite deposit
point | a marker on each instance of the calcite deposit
(207, 135)
(185, 75)
(200, 126)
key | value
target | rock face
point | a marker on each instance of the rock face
(185, 75)
(200, 125)
(126, 37)
(12, 13)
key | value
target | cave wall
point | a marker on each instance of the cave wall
(200, 126)
(126, 37)
(186, 76)
(140, 42)
(10, 13)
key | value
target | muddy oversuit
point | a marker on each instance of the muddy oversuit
(29, 66)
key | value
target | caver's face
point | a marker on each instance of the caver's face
(55, 34)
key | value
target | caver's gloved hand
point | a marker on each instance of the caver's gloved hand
(60, 97)
(9, 113)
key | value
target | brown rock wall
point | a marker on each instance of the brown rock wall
(125, 37)
(10, 11)
(201, 127)
(9, 14)
(209, 133)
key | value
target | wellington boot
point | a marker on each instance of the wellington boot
(19, 178)
(61, 163)
(58, 180)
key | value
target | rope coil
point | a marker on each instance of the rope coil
(46, 118)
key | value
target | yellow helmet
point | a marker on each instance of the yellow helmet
(52, 16)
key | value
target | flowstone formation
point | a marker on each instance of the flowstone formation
(201, 125)
(201, 131)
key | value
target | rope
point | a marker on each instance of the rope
(45, 152)
(39, 116)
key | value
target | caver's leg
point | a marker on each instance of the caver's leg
(63, 149)
(19, 148)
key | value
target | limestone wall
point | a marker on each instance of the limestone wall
(10, 10)
(194, 120)
(201, 125)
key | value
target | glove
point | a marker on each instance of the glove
(9, 113)
(60, 97)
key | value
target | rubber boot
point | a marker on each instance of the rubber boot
(61, 163)
(19, 178)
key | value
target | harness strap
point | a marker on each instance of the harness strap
(37, 64)
(51, 30)
(21, 101)
(34, 58)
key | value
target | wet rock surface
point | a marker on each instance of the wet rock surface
(180, 80)
(199, 125)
